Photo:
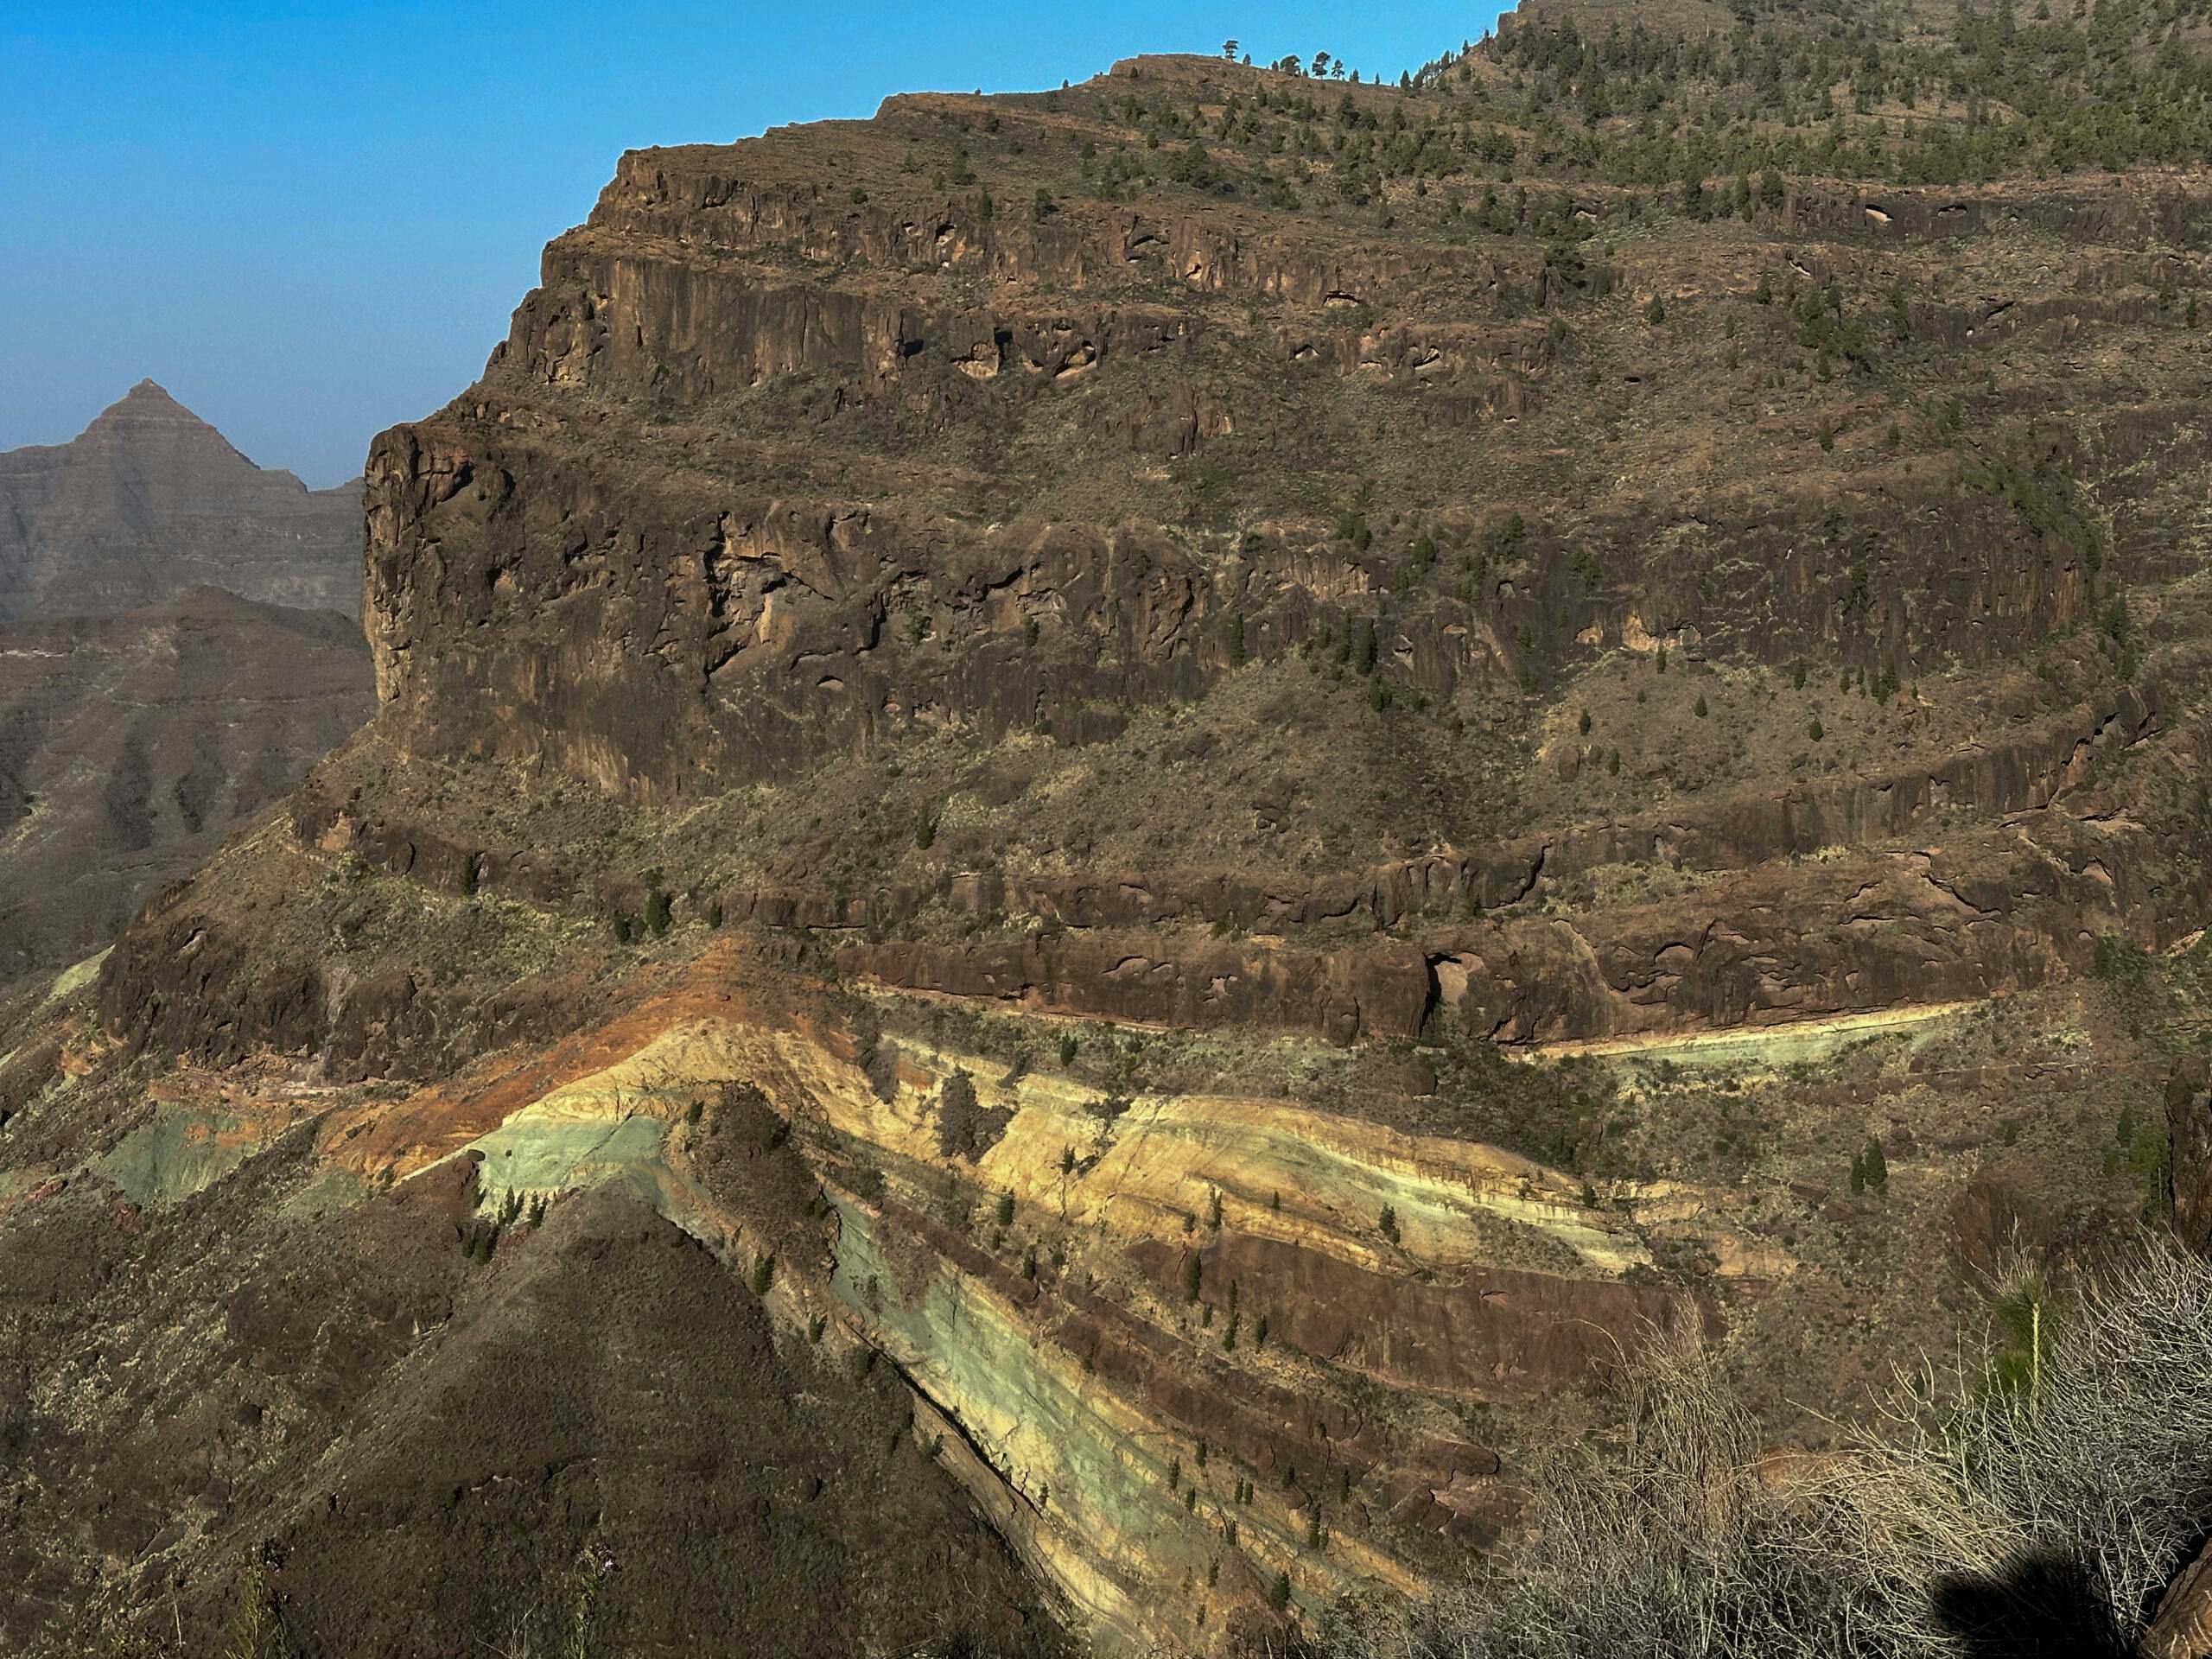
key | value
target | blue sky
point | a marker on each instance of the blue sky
(310, 221)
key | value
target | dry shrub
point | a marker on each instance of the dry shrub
(2038, 1504)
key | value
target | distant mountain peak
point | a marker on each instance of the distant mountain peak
(148, 415)
(150, 498)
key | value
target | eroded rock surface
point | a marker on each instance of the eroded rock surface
(1228, 829)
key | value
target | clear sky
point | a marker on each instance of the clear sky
(310, 221)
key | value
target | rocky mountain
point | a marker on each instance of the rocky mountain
(1153, 807)
(131, 744)
(144, 713)
(150, 499)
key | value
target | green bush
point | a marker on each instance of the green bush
(1878, 1166)
(1370, 649)
(256, 1631)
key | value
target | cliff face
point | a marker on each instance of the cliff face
(1228, 797)
(1101, 348)
(149, 499)
(1066, 463)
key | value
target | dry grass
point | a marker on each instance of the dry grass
(2038, 1505)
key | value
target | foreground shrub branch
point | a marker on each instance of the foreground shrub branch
(2041, 1502)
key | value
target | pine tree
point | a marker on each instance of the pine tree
(1371, 649)
(1877, 1167)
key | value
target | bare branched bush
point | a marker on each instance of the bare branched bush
(2037, 1502)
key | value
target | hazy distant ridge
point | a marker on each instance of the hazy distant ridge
(149, 499)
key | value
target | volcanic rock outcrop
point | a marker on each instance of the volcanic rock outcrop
(1226, 779)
